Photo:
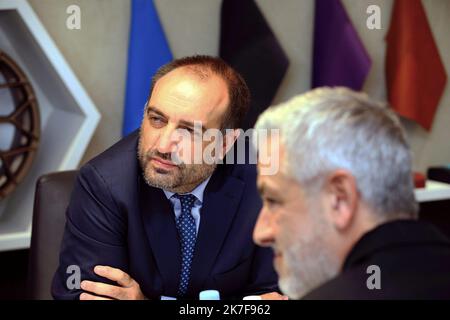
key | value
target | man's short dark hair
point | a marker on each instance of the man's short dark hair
(202, 65)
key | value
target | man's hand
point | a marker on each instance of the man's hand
(128, 289)
(273, 296)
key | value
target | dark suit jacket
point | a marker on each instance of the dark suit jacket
(116, 219)
(414, 261)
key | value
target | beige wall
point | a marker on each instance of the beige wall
(98, 52)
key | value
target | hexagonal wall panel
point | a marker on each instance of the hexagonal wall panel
(68, 115)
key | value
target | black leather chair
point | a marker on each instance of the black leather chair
(51, 200)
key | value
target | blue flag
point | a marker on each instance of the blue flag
(147, 51)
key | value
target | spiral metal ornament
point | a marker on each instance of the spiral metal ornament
(19, 125)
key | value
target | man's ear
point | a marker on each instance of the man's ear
(343, 197)
(231, 135)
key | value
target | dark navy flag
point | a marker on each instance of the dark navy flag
(147, 51)
(340, 58)
(248, 44)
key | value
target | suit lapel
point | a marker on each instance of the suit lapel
(160, 226)
(220, 203)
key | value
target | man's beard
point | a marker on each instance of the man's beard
(309, 262)
(184, 178)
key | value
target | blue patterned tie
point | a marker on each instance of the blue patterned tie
(187, 232)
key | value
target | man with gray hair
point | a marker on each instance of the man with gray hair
(340, 214)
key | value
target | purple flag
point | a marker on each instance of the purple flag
(340, 58)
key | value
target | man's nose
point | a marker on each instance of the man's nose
(263, 233)
(166, 142)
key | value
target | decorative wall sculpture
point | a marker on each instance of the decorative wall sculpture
(19, 125)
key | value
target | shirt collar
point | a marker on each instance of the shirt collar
(197, 192)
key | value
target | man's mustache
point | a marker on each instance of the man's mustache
(172, 157)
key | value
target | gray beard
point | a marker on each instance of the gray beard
(309, 264)
(185, 180)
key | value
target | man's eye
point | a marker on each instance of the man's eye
(192, 131)
(271, 201)
(157, 121)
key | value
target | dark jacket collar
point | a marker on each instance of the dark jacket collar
(394, 234)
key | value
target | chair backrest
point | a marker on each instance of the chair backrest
(50, 203)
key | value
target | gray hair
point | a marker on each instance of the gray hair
(336, 128)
